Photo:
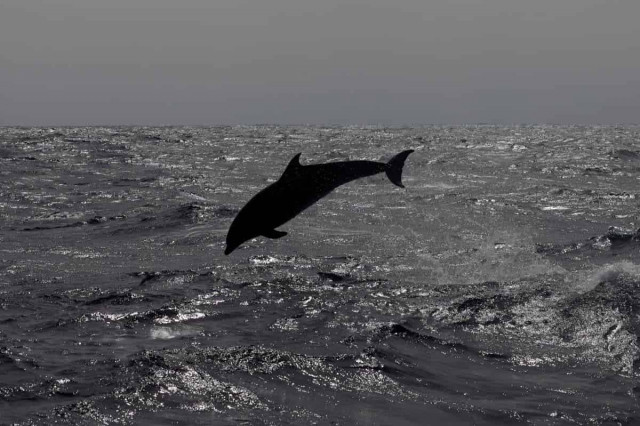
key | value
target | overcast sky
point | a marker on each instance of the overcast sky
(75, 62)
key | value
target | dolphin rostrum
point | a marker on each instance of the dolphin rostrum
(298, 188)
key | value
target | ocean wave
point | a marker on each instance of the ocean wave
(596, 323)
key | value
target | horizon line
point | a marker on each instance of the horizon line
(324, 124)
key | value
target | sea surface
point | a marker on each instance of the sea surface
(501, 286)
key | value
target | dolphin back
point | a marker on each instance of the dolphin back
(394, 167)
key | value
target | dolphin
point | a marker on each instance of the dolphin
(297, 189)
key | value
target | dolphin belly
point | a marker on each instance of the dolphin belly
(286, 200)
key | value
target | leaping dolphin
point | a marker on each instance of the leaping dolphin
(298, 188)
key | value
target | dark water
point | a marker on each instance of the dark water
(502, 286)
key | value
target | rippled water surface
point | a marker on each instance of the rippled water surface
(502, 286)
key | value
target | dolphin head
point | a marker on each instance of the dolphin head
(237, 235)
(230, 248)
(232, 245)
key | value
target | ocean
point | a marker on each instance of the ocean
(501, 286)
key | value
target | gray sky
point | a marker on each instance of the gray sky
(74, 62)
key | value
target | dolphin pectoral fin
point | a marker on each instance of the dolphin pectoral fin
(274, 234)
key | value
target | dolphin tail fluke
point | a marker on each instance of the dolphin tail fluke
(394, 167)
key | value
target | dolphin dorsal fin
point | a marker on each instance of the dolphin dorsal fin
(293, 166)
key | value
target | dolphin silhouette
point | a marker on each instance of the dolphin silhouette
(298, 188)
